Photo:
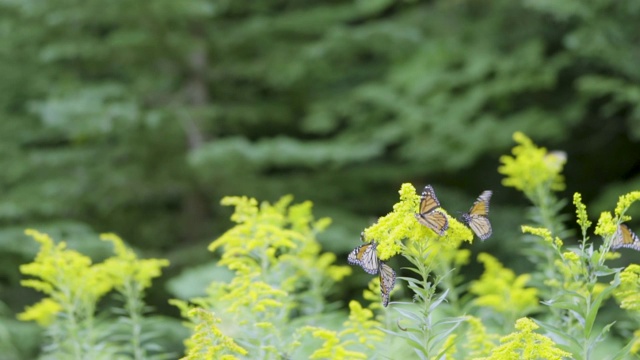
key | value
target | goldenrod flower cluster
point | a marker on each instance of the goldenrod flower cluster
(499, 288)
(278, 268)
(526, 344)
(400, 224)
(532, 167)
(72, 283)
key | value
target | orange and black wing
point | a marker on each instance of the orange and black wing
(428, 213)
(477, 219)
(387, 282)
(624, 237)
(428, 200)
(366, 256)
(481, 206)
(436, 220)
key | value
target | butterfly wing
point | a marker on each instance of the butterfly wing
(387, 282)
(436, 220)
(428, 200)
(481, 226)
(624, 237)
(477, 219)
(366, 256)
(428, 214)
(481, 206)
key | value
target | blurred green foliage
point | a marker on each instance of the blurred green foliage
(138, 117)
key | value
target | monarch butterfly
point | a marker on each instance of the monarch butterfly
(477, 219)
(429, 215)
(624, 237)
(365, 256)
(387, 282)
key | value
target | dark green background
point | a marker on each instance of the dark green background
(138, 117)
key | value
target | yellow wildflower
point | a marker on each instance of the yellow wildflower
(531, 167)
(448, 348)
(581, 212)
(278, 241)
(541, 232)
(43, 312)
(624, 202)
(635, 347)
(362, 325)
(606, 225)
(360, 328)
(500, 289)
(125, 269)
(628, 293)
(67, 276)
(400, 224)
(478, 343)
(208, 342)
(526, 344)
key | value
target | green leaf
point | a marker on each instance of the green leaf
(594, 307)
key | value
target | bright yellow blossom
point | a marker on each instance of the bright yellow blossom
(581, 212)
(628, 293)
(125, 269)
(400, 224)
(606, 225)
(531, 167)
(66, 276)
(500, 289)
(208, 342)
(43, 312)
(624, 202)
(478, 342)
(524, 343)
(360, 331)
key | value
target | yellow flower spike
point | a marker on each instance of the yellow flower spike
(462, 257)
(606, 225)
(43, 287)
(500, 289)
(341, 345)
(372, 294)
(612, 255)
(581, 211)
(531, 167)
(541, 232)
(628, 293)
(635, 348)
(67, 276)
(119, 248)
(449, 347)
(526, 344)
(246, 208)
(557, 242)
(125, 268)
(478, 343)
(571, 256)
(625, 201)
(43, 312)
(400, 224)
(362, 324)
(270, 238)
(208, 342)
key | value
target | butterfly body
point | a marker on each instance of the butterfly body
(477, 219)
(429, 215)
(624, 237)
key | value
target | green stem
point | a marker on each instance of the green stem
(134, 310)
(73, 331)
